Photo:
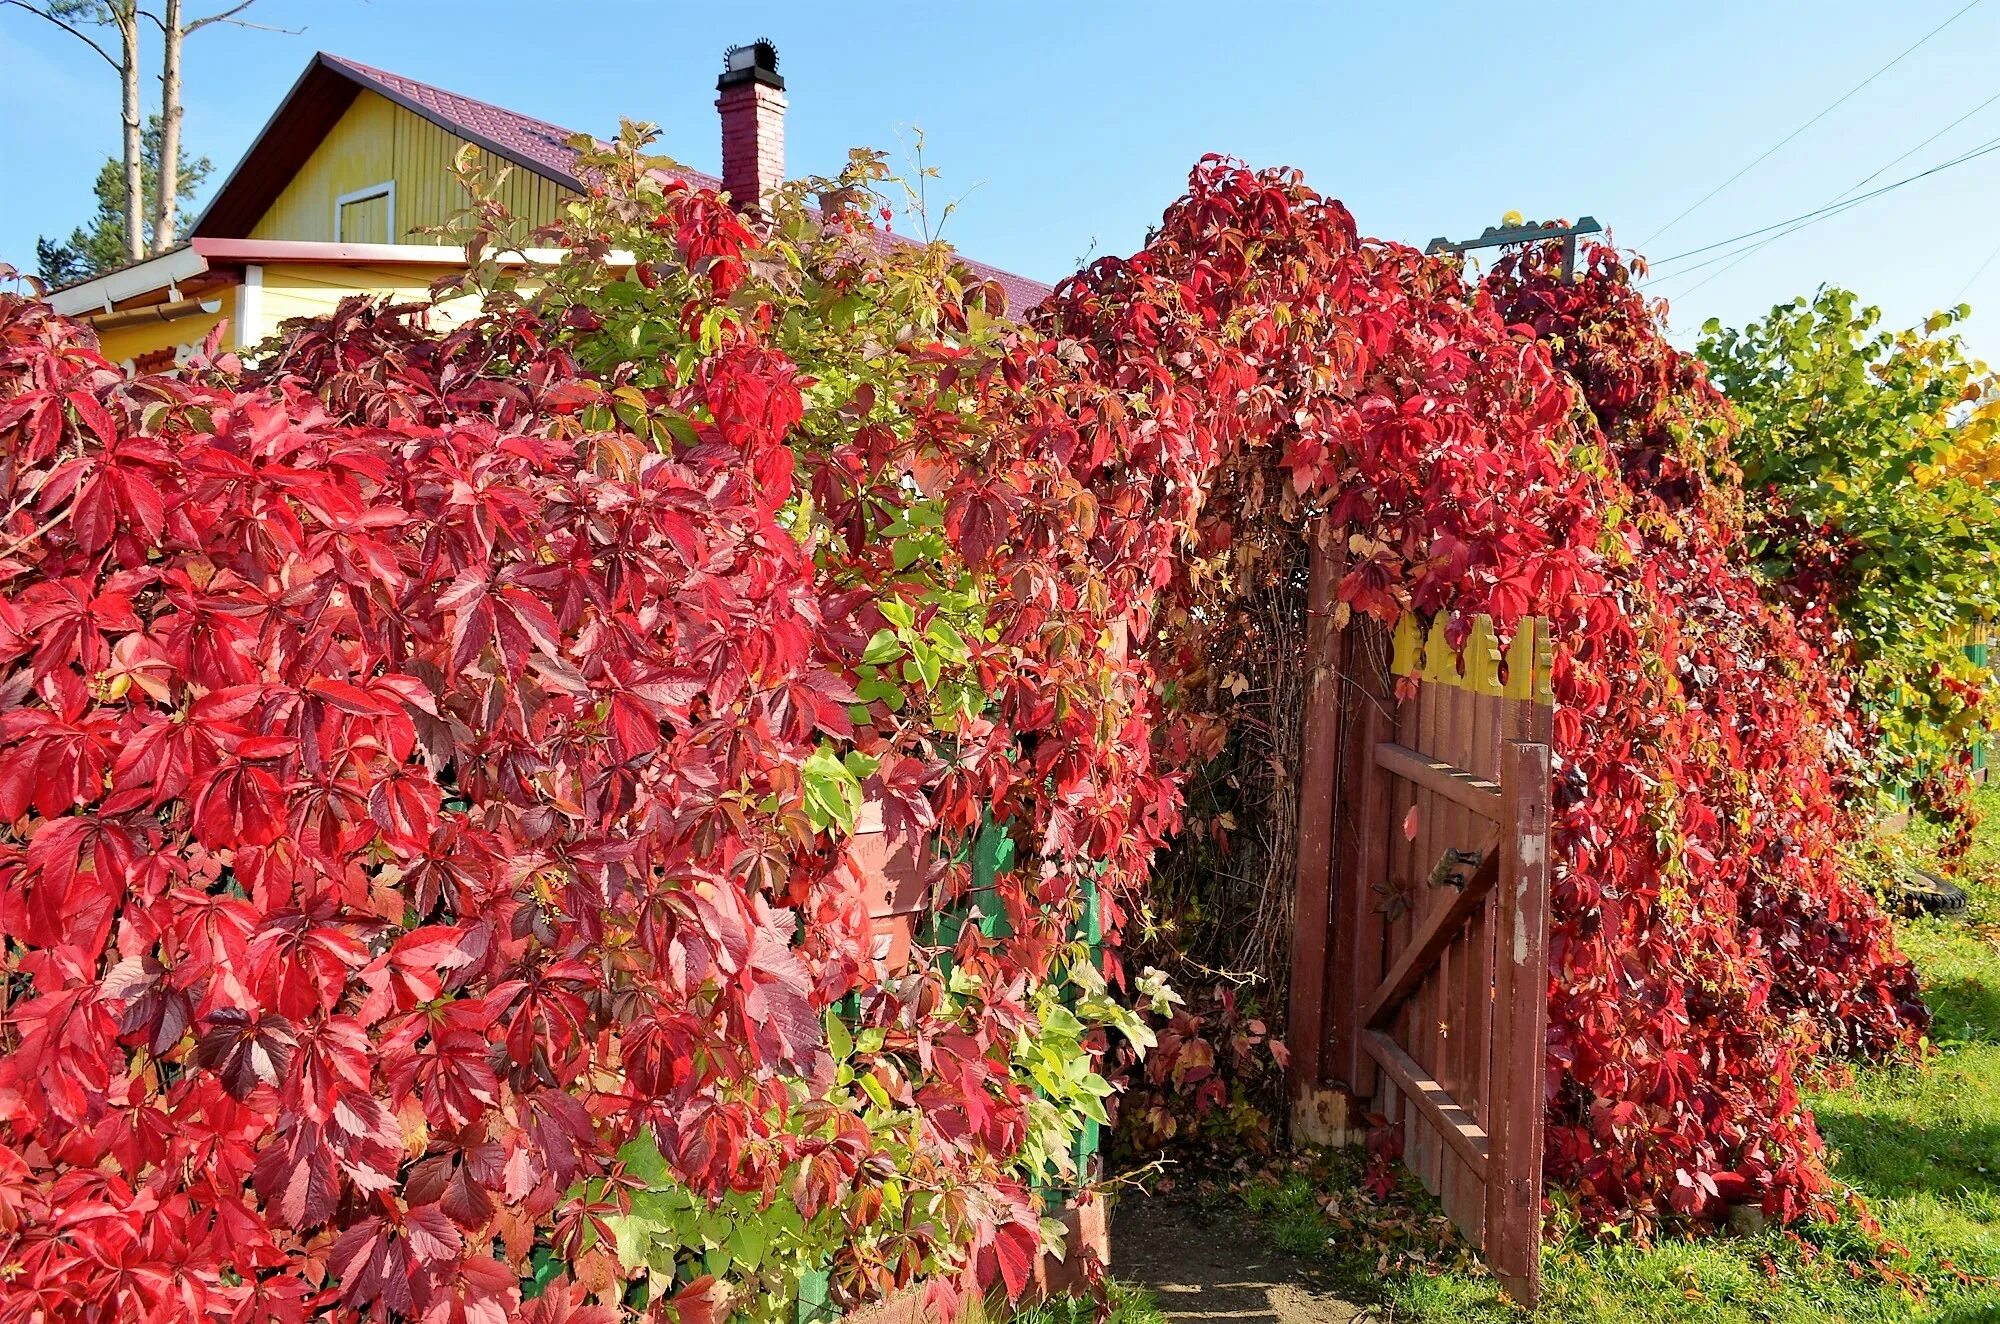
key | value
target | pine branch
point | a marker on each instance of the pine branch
(78, 33)
(229, 16)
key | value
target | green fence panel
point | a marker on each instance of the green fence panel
(1977, 655)
(815, 1304)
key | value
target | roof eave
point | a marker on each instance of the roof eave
(102, 293)
(320, 252)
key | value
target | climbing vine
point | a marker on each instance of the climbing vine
(429, 763)
(1527, 445)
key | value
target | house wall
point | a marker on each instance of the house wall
(311, 290)
(278, 292)
(375, 142)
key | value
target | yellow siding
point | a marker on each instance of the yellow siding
(183, 337)
(308, 290)
(376, 142)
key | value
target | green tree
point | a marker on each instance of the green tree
(102, 244)
(1871, 476)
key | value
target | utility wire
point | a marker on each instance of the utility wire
(1837, 198)
(1817, 214)
(1760, 247)
(1835, 105)
(1920, 146)
(1833, 203)
(1974, 277)
(1859, 185)
(1741, 258)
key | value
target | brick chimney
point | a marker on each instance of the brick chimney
(751, 101)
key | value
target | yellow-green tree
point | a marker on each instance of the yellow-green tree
(1869, 462)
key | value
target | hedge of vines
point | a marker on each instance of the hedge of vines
(1526, 446)
(429, 765)
(428, 762)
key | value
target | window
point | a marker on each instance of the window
(366, 216)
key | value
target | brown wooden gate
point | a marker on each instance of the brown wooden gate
(1420, 975)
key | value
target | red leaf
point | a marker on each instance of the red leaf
(246, 1051)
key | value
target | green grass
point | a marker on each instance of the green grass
(1921, 1145)
(1129, 1305)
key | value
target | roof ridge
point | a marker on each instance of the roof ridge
(373, 74)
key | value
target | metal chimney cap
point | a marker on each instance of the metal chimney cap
(759, 54)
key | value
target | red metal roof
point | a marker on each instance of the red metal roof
(328, 87)
(535, 144)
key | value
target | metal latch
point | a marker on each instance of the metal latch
(1455, 868)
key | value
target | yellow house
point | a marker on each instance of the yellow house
(338, 192)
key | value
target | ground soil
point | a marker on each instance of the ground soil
(1202, 1267)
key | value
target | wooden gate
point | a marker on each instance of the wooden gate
(1420, 975)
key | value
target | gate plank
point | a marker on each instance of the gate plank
(1514, 1191)
(1457, 1127)
(1371, 826)
(1455, 784)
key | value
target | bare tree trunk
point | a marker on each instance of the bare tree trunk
(125, 15)
(167, 187)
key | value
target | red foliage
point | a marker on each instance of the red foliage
(388, 763)
(403, 782)
(1707, 948)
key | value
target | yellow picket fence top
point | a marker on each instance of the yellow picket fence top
(1524, 671)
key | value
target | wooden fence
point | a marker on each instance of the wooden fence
(1420, 975)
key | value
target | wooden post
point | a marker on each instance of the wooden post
(1317, 1116)
(1520, 993)
(1365, 870)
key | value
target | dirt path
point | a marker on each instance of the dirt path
(1203, 1268)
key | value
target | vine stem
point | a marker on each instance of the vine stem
(33, 534)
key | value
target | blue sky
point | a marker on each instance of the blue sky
(1065, 128)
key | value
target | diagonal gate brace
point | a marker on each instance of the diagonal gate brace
(1433, 935)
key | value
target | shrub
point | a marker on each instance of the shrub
(1868, 461)
(427, 764)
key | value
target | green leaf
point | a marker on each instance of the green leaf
(883, 647)
(833, 795)
(950, 644)
(633, 1237)
(746, 1245)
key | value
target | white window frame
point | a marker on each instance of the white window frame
(386, 189)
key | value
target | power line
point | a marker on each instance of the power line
(1836, 104)
(1836, 207)
(1817, 214)
(1920, 146)
(1977, 273)
(1836, 199)
(1741, 258)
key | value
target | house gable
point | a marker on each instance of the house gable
(346, 131)
(383, 174)
(333, 198)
